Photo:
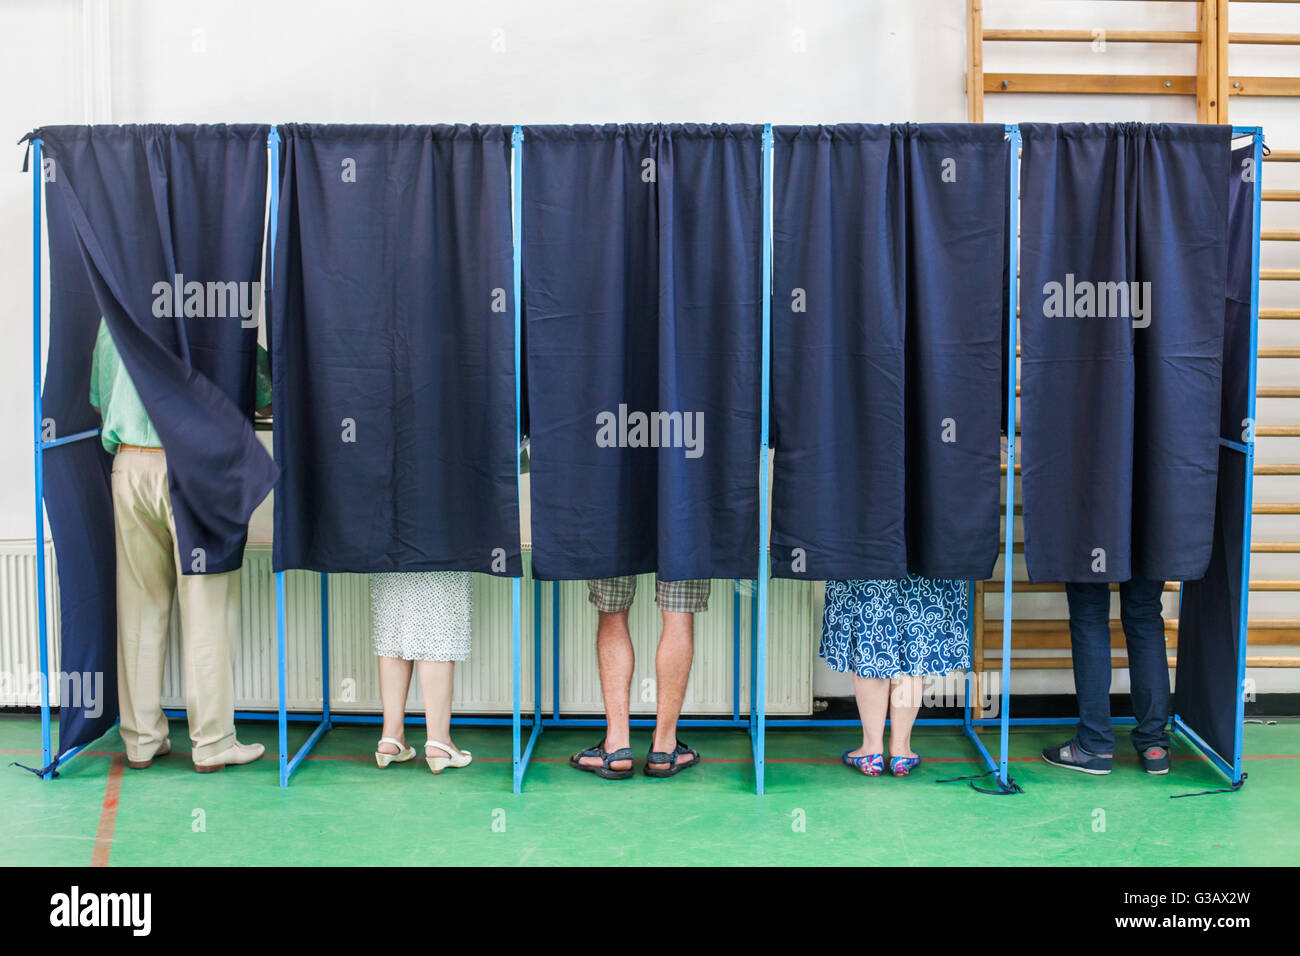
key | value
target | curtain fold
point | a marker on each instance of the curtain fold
(642, 296)
(888, 306)
(392, 329)
(1206, 692)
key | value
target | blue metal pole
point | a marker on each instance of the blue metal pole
(281, 688)
(42, 636)
(515, 734)
(325, 647)
(1008, 563)
(517, 201)
(1243, 623)
(273, 144)
(970, 637)
(753, 654)
(735, 651)
(69, 439)
(537, 654)
(555, 650)
(759, 691)
(537, 648)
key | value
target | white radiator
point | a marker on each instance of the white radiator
(483, 684)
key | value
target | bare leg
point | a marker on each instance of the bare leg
(437, 678)
(616, 657)
(904, 703)
(672, 670)
(873, 703)
(394, 683)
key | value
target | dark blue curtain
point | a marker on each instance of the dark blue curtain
(392, 329)
(1209, 614)
(137, 216)
(888, 307)
(642, 294)
(1124, 260)
(78, 497)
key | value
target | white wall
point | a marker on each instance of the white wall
(509, 61)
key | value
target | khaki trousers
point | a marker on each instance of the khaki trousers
(148, 578)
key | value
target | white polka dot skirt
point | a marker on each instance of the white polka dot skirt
(422, 615)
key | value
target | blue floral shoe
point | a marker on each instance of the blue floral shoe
(902, 766)
(873, 765)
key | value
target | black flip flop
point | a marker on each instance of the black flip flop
(674, 767)
(606, 758)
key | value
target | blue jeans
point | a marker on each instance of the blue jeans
(1144, 632)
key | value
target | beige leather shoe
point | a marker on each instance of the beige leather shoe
(236, 754)
(162, 751)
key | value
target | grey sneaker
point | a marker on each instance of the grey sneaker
(1073, 757)
(1154, 759)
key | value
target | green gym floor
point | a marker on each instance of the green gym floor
(341, 810)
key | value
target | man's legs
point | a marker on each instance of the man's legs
(146, 582)
(1148, 666)
(679, 602)
(1090, 648)
(672, 670)
(617, 659)
(210, 626)
(612, 598)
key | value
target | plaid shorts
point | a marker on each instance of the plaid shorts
(612, 595)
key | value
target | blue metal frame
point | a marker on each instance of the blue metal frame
(289, 764)
(968, 722)
(42, 634)
(758, 689)
(326, 721)
(1005, 783)
(755, 721)
(521, 756)
(1233, 770)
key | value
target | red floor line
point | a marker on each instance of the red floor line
(108, 812)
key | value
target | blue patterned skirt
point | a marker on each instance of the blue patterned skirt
(913, 626)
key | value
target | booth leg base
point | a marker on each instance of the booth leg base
(1236, 777)
(1006, 786)
(521, 764)
(287, 768)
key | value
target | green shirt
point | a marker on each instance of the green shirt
(114, 394)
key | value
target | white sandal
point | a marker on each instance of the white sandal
(404, 753)
(454, 758)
